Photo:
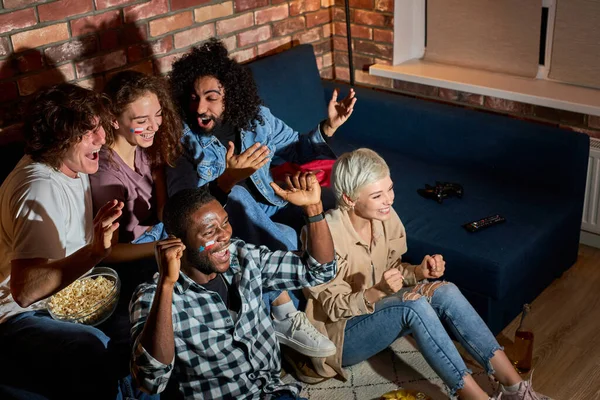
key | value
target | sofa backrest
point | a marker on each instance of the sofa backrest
(290, 85)
(12, 147)
(525, 151)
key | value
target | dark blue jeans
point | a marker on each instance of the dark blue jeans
(291, 215)
(268, 225)
(59, 360)
(250, 223)
(157, 232)
(56, 359)
(288, 396)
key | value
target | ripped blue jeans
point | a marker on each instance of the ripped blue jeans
(422, 316)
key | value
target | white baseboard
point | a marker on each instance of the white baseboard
(590, 239)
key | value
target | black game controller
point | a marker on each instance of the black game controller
(441, 191)
(452, 189)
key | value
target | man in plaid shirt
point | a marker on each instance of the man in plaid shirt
(203, 320)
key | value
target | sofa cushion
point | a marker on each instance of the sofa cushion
(491, 261)
(291, 89)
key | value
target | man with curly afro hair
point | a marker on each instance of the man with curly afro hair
(229, 140)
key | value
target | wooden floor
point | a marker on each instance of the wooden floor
(566, 320)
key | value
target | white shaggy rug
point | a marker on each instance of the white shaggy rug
(401, 366)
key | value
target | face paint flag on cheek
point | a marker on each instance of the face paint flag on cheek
(137, 131)
(207, 246)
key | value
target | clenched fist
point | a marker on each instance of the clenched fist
(391, 281)
(168, 254)
(432, 267)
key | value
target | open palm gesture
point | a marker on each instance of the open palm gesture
(338, 112)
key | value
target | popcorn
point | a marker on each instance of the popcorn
(85, 295)
(403, 394)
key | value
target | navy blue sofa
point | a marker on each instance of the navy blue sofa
(532, 174)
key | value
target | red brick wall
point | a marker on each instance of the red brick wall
(372, 25)
(85, 41)
(372, 32)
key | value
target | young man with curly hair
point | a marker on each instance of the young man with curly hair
(229, 140)
(48, 239)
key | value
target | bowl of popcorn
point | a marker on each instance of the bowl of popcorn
(90, 300)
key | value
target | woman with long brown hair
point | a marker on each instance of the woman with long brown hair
(143, 138)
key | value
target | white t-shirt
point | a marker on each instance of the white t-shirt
(43, 214)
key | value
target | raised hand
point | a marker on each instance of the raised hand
(338, 112)
(391, 281)
(303, 189)
(168, 254)
(432, 267)
(105, 226)
(240, 167)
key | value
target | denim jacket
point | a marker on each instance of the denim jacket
(204, 160)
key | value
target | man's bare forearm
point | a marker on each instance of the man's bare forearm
(127, 252)
(32, 280)
(226, 182)
(319, 240)
(157, 336)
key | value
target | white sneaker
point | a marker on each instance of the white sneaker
(525, 392)
(297, 332)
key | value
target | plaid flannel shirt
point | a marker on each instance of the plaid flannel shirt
(215, 357)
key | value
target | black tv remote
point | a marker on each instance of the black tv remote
(483, 223)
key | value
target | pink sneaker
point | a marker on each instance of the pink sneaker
(525, 392)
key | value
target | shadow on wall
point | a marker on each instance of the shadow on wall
(89, 60)
(117, 47)
(32, 68)
(13, 112)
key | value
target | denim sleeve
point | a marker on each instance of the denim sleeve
(293, 147)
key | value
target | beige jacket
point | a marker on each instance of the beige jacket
(359, 267)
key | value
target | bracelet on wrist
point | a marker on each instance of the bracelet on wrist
(367, 302)
(314, 218)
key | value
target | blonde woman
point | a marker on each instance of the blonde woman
(376, 298)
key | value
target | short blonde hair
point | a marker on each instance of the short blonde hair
(353, 171)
